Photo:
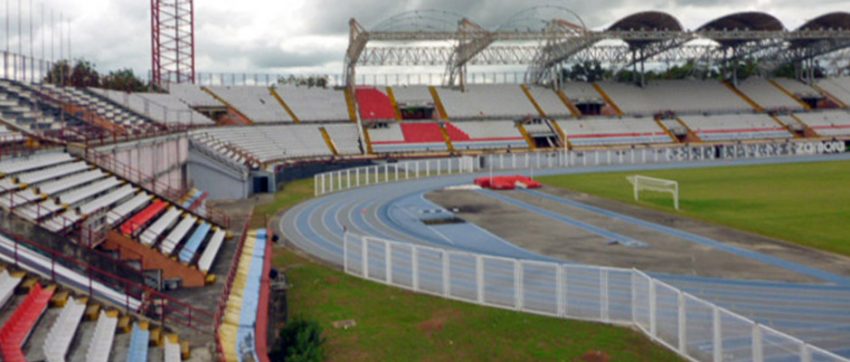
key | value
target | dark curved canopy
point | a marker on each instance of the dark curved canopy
(751, 20)
(836, 20)
(647, 20)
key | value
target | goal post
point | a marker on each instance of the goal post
(645, 183)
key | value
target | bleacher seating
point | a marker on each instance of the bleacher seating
(549, 102)
(256, 103)
(680, 96)
(138, 351)
(132, 122)
(18, 327)
(838, 87)
(345, 138)
(61, 190)
(479, 135)
(407, 137)
(161, 107)
(266, 143)
(21, 107)
(172, 350)
(767, 95)
(240, 313)
(374, 104)
(581, 92)
(831, 123)
(100, 344)
(413, 95)
(486, 102)
(193, 95)
(8, 283)
(733, 127)
(798, 88)
(9, 135)
(62, 332)
(613, 131)
(315, 104)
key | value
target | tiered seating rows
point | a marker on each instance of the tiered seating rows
(241, 310)
(613, 131)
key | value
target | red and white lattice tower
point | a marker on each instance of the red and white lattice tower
(172, 41)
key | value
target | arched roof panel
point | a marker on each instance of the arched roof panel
(647, 20)
(751, 20)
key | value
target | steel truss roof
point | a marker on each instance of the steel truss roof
(559, 42)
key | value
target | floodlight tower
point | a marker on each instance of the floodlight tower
(172, 41)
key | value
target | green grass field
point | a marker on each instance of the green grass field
(805, 203)
(398, 325)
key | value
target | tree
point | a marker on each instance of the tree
(588, 71)
(305, 81)
(123, 80)
(300, 340)
(83, 74)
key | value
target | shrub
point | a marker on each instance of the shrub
(300, 341)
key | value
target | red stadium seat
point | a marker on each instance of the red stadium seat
(374, 104)
(143, 217)
(19, 326)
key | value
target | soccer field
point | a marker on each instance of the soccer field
(805, 203)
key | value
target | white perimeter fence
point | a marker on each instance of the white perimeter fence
(694, 328)
(345, 179)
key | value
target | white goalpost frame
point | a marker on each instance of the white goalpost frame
(654, 184)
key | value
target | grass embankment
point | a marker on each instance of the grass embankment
(804, 203)
(397, 325)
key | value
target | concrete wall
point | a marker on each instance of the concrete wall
(222, 181)
(161, 158)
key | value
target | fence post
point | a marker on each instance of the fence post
(445, 273)
(357, 176)
(407, 171)
(323, 182)
(396, 171)
(416, 173)
(717, 335)
(561, 297)
(805, 353)
(388, 261)
(683, 325)
(414, 265)
(330, 181)
(348, 178)
(386, 172)
(427, 168)
(479, 277)
(345, 252)
(603, 295)
(518, 284)
(364, 255)
(439, 166)
(653, 331)
(758, 355)
(339, 180)
(316, 185)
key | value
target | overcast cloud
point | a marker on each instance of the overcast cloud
(285, 36)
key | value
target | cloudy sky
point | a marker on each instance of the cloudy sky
(283, 36)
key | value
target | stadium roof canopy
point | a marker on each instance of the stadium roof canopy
(545, 37)
(647, 20)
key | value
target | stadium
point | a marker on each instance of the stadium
(554, 191)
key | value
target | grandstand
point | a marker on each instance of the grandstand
(82, 169)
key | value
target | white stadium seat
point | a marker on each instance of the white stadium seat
(100, 344)
(176, 235)
(152, 233)
(211, 251)
(62, 332)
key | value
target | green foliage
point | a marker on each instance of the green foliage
(300, 341)
(804, 203)
(588, 71)
(123, 80)
(82, 74)
(304, 81)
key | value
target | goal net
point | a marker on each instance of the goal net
(644, 183)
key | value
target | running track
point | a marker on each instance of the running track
(819, 314)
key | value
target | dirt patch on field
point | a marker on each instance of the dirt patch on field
(437, 322)
(595, 356)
